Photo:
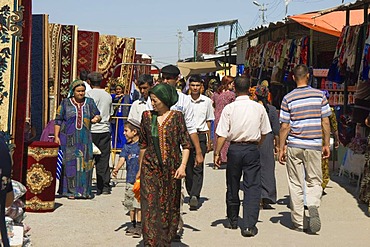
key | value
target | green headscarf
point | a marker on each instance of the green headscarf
(168, 95)
(165, 93)
(73, 85)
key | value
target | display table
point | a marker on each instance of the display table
(353, 164)
(41, 176)
(17, 239)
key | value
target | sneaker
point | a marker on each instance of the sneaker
(130, 231)
(137, 232)
(314, 220)
(193, 203)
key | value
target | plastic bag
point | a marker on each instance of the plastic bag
(19, 189)
(136, 189)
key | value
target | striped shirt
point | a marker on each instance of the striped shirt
(303, 109)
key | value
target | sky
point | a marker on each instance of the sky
(156, 24)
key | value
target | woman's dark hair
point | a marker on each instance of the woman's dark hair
(225, 82)
(264, 102)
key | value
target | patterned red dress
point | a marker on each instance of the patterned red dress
(220, 100)
(160, 192)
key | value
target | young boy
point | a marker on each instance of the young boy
(130, 155)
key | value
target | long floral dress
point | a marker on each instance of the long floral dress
(220, 100)
(160, 191)
(325, 162)
(365, 183)
(76, 144)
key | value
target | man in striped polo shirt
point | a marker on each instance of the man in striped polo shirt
(304, 117)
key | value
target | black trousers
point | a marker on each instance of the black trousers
(102, 141)
(243, 159)
(194, 174)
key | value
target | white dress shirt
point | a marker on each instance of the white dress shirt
(243, 120)
(137, 109)
(183, 105)
(204, 112)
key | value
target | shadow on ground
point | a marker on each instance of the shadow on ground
(350, 185)
(226, 224)
(283, 219)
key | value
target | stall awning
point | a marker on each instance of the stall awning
(193, 68)
(331, 23)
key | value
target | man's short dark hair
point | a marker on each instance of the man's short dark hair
(95, 78)
(84, 74)
(145, 78)
(170, 71)
(300, 71)
(195, 78)
(242, 84)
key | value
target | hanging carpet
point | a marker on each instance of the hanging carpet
(88, 44)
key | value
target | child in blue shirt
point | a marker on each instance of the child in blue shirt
(130, 154)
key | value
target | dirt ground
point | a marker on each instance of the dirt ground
(102, 220)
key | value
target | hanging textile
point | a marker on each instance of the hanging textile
(39, 73)
(344, 62)
(22, 92)
(14, 73)
(68, 59)
(113, 51)
(55, 32)
(88, 44)
(10, 38)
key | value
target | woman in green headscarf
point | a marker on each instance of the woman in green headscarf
(72, 132)
(162, 166)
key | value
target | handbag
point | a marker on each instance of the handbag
(96, 150)
(136, 189)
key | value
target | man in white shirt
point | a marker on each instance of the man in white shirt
(244, 123)
(145, 83)
(203, 117)
(101, 135)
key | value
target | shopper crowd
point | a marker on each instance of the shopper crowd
(167, 134)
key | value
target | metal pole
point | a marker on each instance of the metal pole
(195, 44)
(310, 63)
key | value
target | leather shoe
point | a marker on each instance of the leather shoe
(267, 206)
(250, 232)
(232, 225)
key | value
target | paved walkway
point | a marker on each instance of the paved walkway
(102, 220)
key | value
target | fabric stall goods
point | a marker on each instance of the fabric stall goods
(41, 172)
(23, 83)
(68, 59)
(11, 14)
(127, 70)
(140, 70)
(39, 73)
(113, 51)
(344, 64)
(55, 34)
(276, 58)
(109, 55)
(363, 85)
(88, 44)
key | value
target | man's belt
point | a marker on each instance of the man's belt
(247, 142)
